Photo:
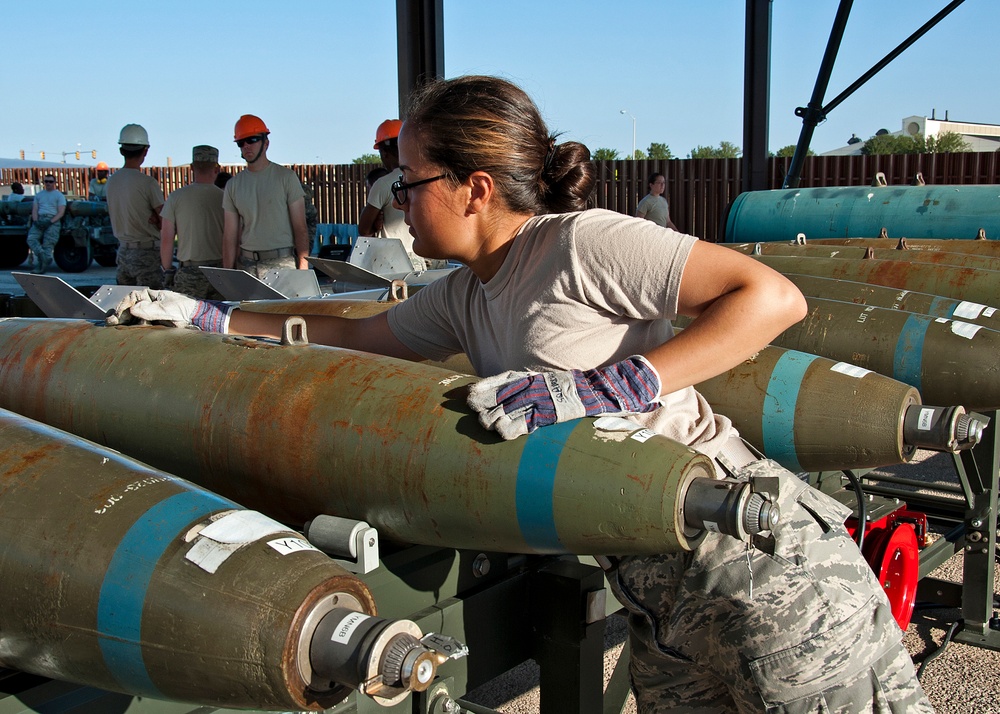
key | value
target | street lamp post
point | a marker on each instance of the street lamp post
(626, 111)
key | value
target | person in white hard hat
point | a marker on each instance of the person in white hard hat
(134, 204)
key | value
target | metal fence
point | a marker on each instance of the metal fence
(699, 190)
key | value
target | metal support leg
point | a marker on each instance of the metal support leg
(619, 686)
(569, 602)
(981, 468)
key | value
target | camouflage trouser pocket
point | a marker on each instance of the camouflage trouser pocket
(835, 669)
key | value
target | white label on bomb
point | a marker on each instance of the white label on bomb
(968, 310)
(926, 420)
(851, 370)
(643, 435)
(342, 632)
(291, 545)
(964, 329)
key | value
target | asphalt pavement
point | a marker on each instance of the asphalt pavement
(94, 276)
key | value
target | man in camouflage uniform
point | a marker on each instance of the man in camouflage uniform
(134, 204)
(46, 218)
(727, 627)
(265, 221)
(194, 215)
(312, 213)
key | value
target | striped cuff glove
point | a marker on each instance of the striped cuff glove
(212, 316)
(177, 309)
(517, 403)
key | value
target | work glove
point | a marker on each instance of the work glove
(167, 276)
(174, 308)
(516, 403)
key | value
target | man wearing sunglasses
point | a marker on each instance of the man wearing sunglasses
(46, 216)
(134, 204)
(265, 218)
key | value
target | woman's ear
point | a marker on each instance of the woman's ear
(481, 191)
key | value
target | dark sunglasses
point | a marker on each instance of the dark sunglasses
(249, 140)
(399, 188)
(48, 180)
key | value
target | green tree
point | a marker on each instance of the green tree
(880, 145)
(789, 151)
(639, 155)
(947, 142)
(660, 151)
(368, 159)
(603, 154)
(725, 150)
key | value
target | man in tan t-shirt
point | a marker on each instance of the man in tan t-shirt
(134, 204)
(194, 214)
(265, 219)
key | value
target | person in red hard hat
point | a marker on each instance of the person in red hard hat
(257, 236)
(379, 206)
(97, 190)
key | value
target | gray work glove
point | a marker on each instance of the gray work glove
(516, 403)
(174, 308)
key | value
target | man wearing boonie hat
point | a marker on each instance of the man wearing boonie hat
(134, 204)
(194, 215)
(265, 218)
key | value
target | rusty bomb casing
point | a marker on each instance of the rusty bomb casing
(975, 246)
(298, 431)
(981, 286)
(122, 577)
(812, 250)
(809, 413)
(896, 299)
(948, 361)
(821, 416)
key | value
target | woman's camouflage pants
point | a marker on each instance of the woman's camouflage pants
(815, 634)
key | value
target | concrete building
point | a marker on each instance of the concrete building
(980, 137)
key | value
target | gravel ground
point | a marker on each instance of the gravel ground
(963, 679)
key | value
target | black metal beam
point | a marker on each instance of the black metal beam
(877, 67)
(813, 113)
(419, 44)
(756, 93)
(816, 112)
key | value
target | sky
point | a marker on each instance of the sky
(322, 73)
